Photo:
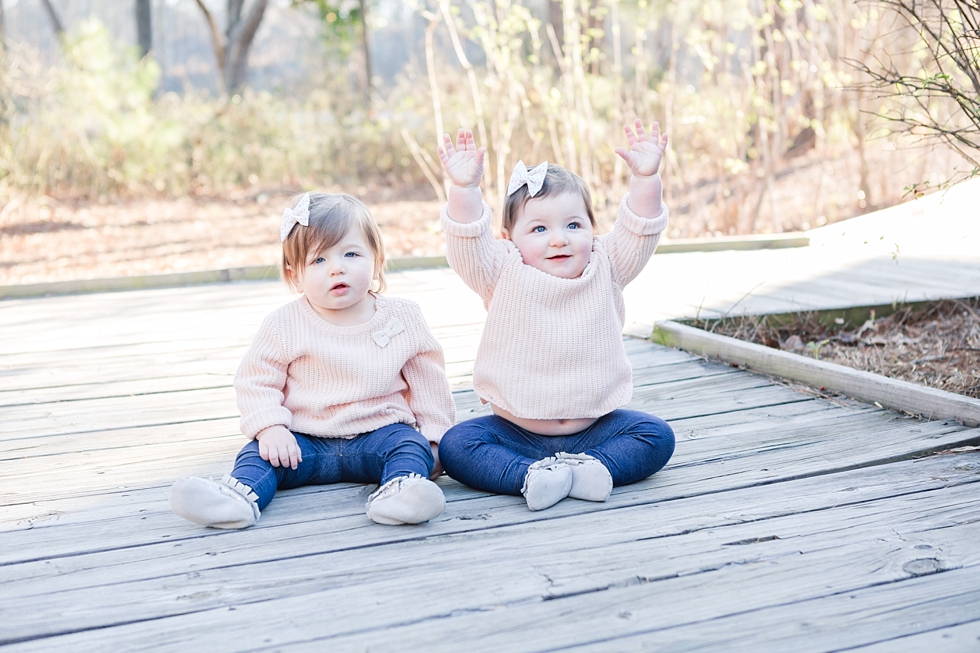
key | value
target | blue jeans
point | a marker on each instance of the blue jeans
(492, 454)
(377, 457)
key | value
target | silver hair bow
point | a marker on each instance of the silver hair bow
(534, 178)
(293, 217)
(384, 336)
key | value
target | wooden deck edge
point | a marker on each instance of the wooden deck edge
(864, 386)
(265, 272)
(848, 316)
(177, 279)
(738, 243)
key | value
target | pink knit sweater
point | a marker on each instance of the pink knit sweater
(552, 348)
(325, 380)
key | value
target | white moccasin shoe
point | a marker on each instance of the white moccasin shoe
(547, 482)
(228, 504)
(408, 499)
(591, 481)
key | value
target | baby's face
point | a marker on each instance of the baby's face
(336, 282)
(553, 234)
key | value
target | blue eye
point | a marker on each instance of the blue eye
(319, 260)
(574, 225)
(350, 254)
(538, 230)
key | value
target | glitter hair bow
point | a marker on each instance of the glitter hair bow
(293, 217)
(534, 178)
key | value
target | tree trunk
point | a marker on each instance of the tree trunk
(56, 24)
(366, 46)
(240, 34)
(144, 26)
(231, 48)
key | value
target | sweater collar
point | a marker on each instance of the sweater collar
(377, 321)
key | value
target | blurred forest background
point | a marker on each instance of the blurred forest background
(142, 136)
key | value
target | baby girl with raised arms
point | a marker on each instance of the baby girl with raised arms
(551, 363)
(339, 385)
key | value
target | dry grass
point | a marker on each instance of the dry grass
(936, 346)
(46, 239)
(59, 239)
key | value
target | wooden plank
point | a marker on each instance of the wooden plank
(849, 620)
(811, 446)
(679, 480)
(709, 612)
(139, 387)
(696, 443)
(188, 405)
(882, 544)
(891, 393)
(961, 638)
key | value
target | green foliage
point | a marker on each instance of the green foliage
(91, 126)
(341, 22)
(89, 122)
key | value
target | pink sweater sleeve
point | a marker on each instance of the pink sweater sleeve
(260, 381)
(429, 396)
(473, 253)
(633, 241)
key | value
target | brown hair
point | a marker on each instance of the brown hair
(556, 181)
(332, 216)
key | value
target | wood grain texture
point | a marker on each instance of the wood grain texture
(777, 508)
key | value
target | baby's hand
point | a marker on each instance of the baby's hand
(279, 447)
(645, 153)
(463, 163)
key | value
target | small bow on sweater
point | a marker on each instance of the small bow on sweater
(384, 336)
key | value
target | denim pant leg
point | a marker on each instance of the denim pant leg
(375, 457)
(391, 451)
(631, 444)
(320, 465)
(491, 454)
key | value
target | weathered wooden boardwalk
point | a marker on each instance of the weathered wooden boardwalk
(785, 521)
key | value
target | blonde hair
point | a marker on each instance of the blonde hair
(332, 216)
(558, 180)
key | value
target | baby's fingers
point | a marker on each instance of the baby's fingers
(630, 136)
(295, 455)
(268, 453)
(446, 150)
(461, 139)
(641, 134)
(623, 154)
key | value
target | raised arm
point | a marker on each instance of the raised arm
(473, 253)
(642, 215)
(463, 164)
(643, 158)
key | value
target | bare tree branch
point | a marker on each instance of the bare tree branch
(217, 42)
(949, 75)
(56, 23)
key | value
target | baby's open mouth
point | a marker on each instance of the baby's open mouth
(339, 288)
(560, 257)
